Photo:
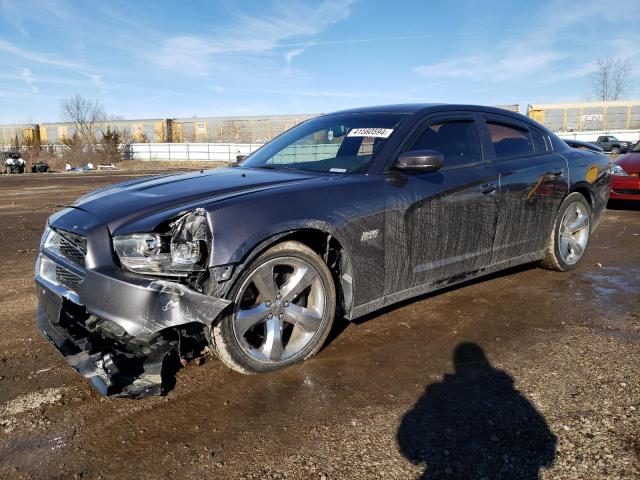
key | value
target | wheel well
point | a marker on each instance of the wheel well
(586, 193)
(333, 254)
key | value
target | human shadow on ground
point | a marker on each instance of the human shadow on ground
(475, 424)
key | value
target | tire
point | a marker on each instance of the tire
(274, 324)
(570, 236)
(615, 150)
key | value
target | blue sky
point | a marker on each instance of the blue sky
(161, 59)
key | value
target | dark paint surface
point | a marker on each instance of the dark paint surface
(403, 233)
(430, 226)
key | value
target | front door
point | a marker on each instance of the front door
(441, 224)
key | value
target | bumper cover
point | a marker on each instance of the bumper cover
(145, 307)
(126, 338)
(123, 332)
(119, 367)
(625, 188)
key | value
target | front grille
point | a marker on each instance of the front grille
(71, 251)
(626, 191)
(69, 245)
(67, 278)
(59, 274)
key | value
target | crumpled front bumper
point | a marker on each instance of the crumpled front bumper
(75, 349)
(123, 332)
(114, 361)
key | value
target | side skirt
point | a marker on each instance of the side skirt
(397, 297)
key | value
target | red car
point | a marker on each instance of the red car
(626, 176)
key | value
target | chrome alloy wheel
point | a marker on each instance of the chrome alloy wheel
(279, 309)
(574, 233)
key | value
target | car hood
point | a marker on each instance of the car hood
(630, 162)
(134, 199)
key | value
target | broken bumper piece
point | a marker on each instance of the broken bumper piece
(121, 354)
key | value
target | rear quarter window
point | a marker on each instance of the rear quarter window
(509, 141)
(540, 141)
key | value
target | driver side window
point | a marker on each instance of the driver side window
(457, 140)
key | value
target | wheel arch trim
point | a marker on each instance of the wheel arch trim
(344, 282)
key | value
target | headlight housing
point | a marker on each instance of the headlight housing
(180, 251)
(618, 170)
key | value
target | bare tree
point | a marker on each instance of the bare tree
(84, 114)
(611, 79)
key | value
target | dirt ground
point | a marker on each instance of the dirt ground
(525, 373)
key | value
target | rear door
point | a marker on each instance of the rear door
(441, 224)
(533, 183)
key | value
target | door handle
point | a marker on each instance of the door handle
(488, 188)
(557, 171)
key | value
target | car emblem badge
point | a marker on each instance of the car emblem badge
(369, 235)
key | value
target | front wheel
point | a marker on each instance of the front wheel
(283, 309)
(570, 235)
(615, 150)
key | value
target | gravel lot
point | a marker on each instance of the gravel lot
(525, 374)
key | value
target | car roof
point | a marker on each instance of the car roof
(412, 108)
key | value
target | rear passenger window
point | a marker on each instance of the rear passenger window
(457, 141)
(539, 140)
(509, 141)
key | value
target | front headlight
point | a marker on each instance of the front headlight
(179, 252)
(618, 170)
(45, 236)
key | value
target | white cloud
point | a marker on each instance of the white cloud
(541, 52)
(288, 59)
(36, 56)
(12, 12)
(491, 67)
(46, 59)
(96, 79)
(250, 36)
(27, 77)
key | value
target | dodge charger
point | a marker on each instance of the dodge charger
(339, 216)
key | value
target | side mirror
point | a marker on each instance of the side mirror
(239, 158)
(420, 160)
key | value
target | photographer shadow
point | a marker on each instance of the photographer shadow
(475, 424)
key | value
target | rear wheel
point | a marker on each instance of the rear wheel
(570, 235)
(615, 150)
(283, 309)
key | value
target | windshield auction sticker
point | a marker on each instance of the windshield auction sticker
(370, 132)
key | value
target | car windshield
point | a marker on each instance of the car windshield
(341, 143)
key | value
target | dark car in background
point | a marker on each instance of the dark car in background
(342, 215)
(611, 144)
(626, 176)
(583, 145)
(40, 167)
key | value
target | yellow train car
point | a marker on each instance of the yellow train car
(22, 134)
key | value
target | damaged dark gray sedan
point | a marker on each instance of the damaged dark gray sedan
(342, 215)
